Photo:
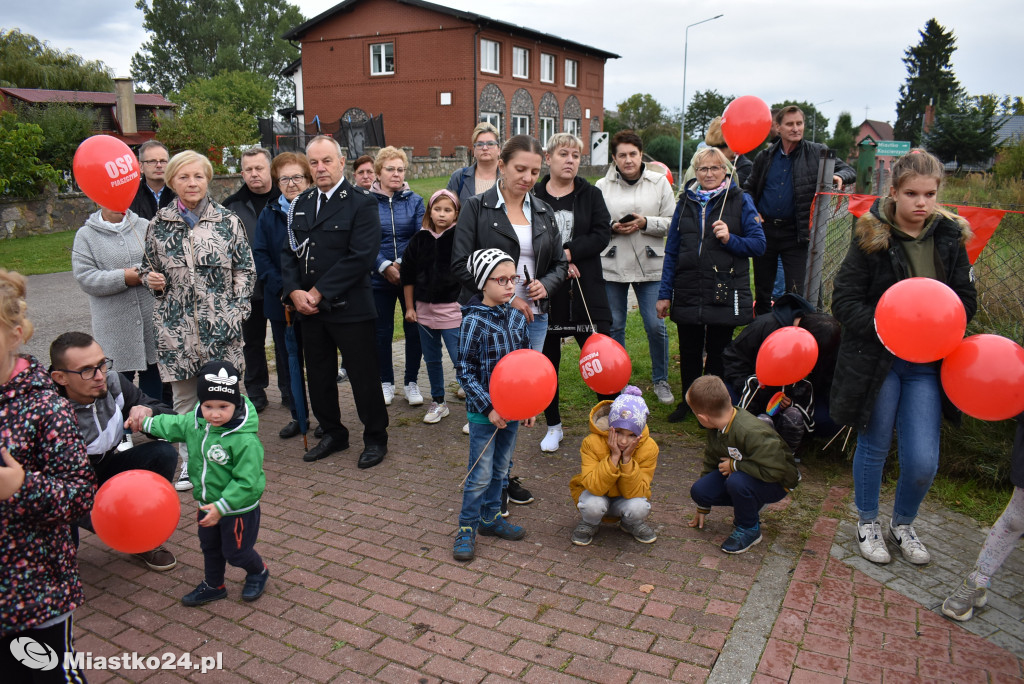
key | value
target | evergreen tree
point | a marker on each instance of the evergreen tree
(964, 132)
(930, 79)
(844, 137)
(705, 106)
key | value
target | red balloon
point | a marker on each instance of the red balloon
(663, 167)
(107, 171)
(984, 377)
(135, 511)
(920, 320)
(786, 356)
(523, 384)
(746, 122)
(604, 364)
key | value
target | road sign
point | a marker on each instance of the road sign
(892, 148)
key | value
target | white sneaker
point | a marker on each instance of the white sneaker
(911, 547)
(436, 412)
(552, 438)
(412, 394)
(465, 429)
(389, 392)
(461, 394)
(126, 443)
(342, 375)
(872, 546)
(663, 391)
(183, 484)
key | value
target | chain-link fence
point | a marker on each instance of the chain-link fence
(998, 270)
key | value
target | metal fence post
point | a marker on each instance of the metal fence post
(819, 228)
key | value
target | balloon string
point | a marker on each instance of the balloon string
(724, 198)
(585, 307)
(482, 452)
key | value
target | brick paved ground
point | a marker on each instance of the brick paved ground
(838, 624)
(364, 588)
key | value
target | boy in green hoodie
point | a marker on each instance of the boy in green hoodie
(226, 467)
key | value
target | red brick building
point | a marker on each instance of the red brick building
(434, 72)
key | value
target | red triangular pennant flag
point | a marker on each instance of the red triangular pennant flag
(983, 225)
(859, 204)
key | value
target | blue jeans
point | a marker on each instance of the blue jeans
(431, 340)
(745, 493)
(657, 334)
(909, 400)
(384, 298)
(538, 331)
(481, 498)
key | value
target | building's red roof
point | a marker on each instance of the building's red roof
(39, 95)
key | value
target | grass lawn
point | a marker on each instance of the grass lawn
(38, 253)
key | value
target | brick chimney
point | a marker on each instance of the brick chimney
(124, 88)
(929, 116)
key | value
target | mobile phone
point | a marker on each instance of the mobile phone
(627, 218)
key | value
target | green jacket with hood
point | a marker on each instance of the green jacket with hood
(225, 463)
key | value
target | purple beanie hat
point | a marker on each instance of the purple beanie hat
(629, 411)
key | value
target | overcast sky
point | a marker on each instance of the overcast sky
(849, 53)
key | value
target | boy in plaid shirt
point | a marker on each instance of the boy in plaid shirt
(490, 330)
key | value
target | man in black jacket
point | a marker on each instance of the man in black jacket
(257, 189)
(782, 184)
(102, 400)
(153, 193)
(325, 271)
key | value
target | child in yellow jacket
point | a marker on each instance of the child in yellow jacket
(618, 461)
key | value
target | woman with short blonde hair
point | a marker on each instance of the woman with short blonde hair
(482, 174)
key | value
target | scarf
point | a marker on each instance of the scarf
(191, 217)
(704, 196)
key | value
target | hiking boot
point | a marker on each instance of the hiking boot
(642, 532)
(159, 559)
(552, 438)
(518, 494)
(584, 533)
(203, 594)
(911, 547)
(388, 388)
(436, 412)
(663, 391)
(741, 539)
(961, 603)
(465, 544)
(872, 546)
(413, 395)
(501, 528)
(255, 585)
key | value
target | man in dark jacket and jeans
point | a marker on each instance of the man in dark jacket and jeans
(102, 400)
(782, 184)
(257, 189)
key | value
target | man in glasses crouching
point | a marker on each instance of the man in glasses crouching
(102, 400)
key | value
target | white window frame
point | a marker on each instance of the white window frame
(379, 58)
(520, 62)
(547, 129)
(492, 118)
(547, 68)
(572, 72)
(572, 126)
(490, 56)
(520, 124)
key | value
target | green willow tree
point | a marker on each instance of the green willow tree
(930, 79)
(27, 62)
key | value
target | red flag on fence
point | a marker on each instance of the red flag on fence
(983, 224)
(859, 204)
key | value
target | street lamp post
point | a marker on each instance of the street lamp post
(814, 120)
(682, 116)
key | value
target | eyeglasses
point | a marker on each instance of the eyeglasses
(394, 169)
(290, 180)
(157, 162)
(505, 280)
(710, 169)
(485, 143)
(90, 372)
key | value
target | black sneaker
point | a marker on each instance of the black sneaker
(203, 594)
(680, 413)
(517, 494)
(255, 585)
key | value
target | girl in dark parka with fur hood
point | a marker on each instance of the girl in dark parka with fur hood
(904, 235)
